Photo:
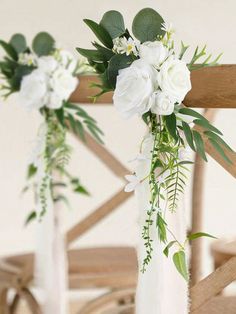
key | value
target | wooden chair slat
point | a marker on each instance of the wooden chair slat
(104, 155)
(219, 305)
(213, 284)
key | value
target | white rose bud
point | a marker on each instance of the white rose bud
(161, 104)
(62, 83)
(174, 79)
(134, 87)
(153, 53)
(33, 90)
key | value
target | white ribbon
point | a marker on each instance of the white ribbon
(51, 269)
(161, 289)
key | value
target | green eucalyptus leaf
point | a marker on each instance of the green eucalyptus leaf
(188, 134)
(218, 139)
(167, 248)
(220, 150)
(32, 215)
(18, 42)
(147, 25)
(60, 116)
(179, 260)
(199, 144)
(32, 170)
(43, 44)
(197, 235)
(9, 49)
(81, 190)
(117, 63)
(207, 125)
(171, 125)
(107, 53)
(113, 22)
(161, 226)
(20, 72)
(91, 54)
(101, 33)
(192, 113)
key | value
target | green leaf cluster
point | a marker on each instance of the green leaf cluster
(10, 67)
(147, 26)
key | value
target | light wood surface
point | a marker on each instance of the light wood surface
(212, 87)
(197, 209)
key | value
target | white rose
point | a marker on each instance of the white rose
(134, 87)
(47, 64)
(33, 90)
(174, 79)
(63, 83)
(54, 101)
(161, 104)
(153, 52)
(67, 60)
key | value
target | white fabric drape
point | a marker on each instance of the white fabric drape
(161, 289)
(51, 261)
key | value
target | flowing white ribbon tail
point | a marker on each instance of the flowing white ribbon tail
(161, 289)
(51, 261)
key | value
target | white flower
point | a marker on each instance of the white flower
(127, 46)
(33, 90)
(161, 104)
(27, 59)
(134, 87)
(139, 157)
(133, 183)
(174, 79)
(153, 53)
(54, 101)
(47, 64)
(62, 83)
(67, 60)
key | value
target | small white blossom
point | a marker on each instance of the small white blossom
(27, 59)
(133, 183)
(139, 157)
(127, 46)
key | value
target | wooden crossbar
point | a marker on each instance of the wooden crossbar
(212, 87)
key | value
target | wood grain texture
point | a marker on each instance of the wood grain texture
(213, 87)
(213, 284)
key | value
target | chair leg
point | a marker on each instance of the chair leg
(31, 301)
(4, 308)
(15, 303)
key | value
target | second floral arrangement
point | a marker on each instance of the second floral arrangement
(150, 79)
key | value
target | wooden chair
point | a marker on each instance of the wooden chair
(123, 270)
(209, 91)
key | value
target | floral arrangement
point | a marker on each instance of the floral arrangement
(150, 79)
(44, 77)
